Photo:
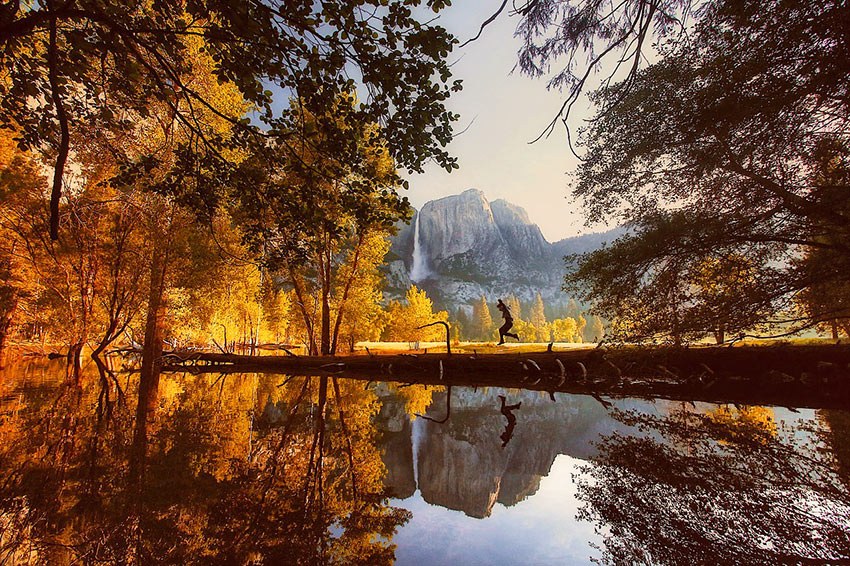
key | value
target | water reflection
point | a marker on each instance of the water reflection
(212, 485)
(721, 487)
(255, 469)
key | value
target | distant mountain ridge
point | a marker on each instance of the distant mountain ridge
(471, 246)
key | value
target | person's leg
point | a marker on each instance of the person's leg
(502, 330)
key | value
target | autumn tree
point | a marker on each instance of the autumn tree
(19, 175)
(86, 283)
(595, 331)
(119, 57)
(581, 328)
(417, 310)
(363, 317)
(564, 329)
(321, 222)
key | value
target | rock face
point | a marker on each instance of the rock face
(457, 225)
(473, 247)
(523, 237)
(462, 464)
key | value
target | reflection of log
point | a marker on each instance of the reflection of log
(448, 409)
(743, 374)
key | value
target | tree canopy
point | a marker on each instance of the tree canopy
(66, 64)
(730, 154)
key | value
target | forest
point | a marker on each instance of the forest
(199, 361)
(155, 190)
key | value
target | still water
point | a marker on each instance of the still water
(271, 469)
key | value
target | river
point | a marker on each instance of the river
(271, 469)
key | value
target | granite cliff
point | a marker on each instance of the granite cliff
(468, 246)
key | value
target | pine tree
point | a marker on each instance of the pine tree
(595, 331)
(537, 317)
(462, 324)
(482, 322)
(572, 309)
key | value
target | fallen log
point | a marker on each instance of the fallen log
(819, 375)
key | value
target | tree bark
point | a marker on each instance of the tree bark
(75, 361)
(720, 335)
(344, 299)
(299, 295)
(62, 117)
(6, 324)
(325, 282)
(152, 351)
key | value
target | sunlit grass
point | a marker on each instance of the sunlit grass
(465, 347)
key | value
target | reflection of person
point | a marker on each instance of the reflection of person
(508, 410)
(509, 322)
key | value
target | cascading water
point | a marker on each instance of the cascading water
(418, 267)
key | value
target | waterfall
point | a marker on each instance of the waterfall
(418, 267)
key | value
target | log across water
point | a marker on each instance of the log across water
(789, 375)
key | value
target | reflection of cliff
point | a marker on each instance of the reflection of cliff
(394, 437)
(398, 459)
(461, 463)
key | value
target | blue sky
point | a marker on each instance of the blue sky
(503, 112)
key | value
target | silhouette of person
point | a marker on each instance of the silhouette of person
(509, 322)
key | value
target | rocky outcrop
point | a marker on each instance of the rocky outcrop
(457, 225)
(523, 238)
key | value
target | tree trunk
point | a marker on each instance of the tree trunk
(152, 351)
(6, 325)
(677, 335)
(834, 325)
(720, 335)
(75, 361)
(151, 364)
(299, 295)
(344, 300)
(325, 280)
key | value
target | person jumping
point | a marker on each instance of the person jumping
(509, 322)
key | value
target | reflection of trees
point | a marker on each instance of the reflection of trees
(698, 489)
(212, 487)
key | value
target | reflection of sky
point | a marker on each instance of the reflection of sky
(540, 530)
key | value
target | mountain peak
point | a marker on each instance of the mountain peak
(510, 213)
(473, 247)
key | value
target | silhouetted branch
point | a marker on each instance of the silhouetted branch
(487, 22)
(448, 336)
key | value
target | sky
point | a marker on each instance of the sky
(502, 112)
